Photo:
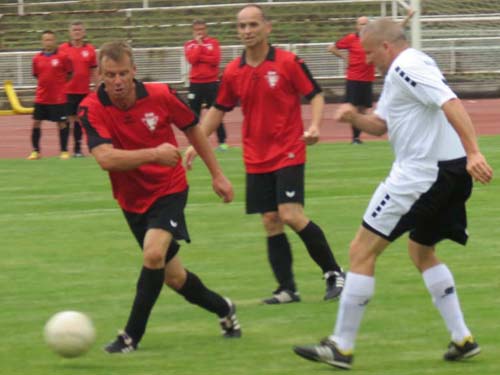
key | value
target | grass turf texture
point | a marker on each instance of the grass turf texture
(65, 245)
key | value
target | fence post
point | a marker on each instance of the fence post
(20, 7)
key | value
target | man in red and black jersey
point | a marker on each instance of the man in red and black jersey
(203, 54)
(129, 132)
(83, 59)
(359, 74)
(269, 83)
(52, 69)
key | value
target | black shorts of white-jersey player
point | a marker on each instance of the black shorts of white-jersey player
(436, 157)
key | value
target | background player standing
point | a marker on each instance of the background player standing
(52, 70)
(83, 59)
(203, 53)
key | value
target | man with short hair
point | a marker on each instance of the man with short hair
(269, 82)
(129, 132)
(437, 156)
(52, 69)
(203, 53)
(83, 59)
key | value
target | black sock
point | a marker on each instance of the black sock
(318, 248)
(63, 138)
(280, 256)
(148, 289)
(196, 292)
(77, 136)
(355, 133)
(36, 134)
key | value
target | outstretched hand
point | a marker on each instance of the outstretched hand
(345, 112)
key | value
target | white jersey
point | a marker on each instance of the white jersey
(421, 136)
(413, 93)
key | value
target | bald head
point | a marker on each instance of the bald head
(384, 30)
(383, 40)
(253, 9)
(361, 22)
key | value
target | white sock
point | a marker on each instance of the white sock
(358, 291)
(440, 283)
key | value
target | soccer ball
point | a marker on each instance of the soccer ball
(69, 333)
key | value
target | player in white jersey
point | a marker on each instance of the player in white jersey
(437, 156)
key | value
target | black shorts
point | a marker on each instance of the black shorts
(265, 191)
(73, 101)
(359, 93)
(166, 213)
(440, 212)
(50, 112)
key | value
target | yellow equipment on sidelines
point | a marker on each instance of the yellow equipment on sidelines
(17, 108)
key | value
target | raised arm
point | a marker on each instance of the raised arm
(477, 166)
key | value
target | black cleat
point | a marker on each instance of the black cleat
(468, 348)
(334, 284)
(282, 296)
(326, 352)
(230, 326)
(123, 344)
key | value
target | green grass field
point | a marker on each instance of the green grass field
(65, 245)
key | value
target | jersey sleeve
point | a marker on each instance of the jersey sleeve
(425, 82)
(180, 114)
(344, 43)
(94, 124)
(226, 96)
(381, 109)
(302, 79)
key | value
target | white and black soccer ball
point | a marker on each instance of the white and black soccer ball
(69, 333)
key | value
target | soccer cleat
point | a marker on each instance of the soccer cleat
(282, 296)
(35, 155)
(334, 284)
(223, 147)
(466, 349)
(123, 344)
(326, 352)
(356, 141)
(230, 326)
(64, 155)
(78, 155)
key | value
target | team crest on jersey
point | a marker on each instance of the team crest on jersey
(54, 62)
(85, 53)
(150, 120)
(272, 78)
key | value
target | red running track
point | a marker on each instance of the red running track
(15, 131)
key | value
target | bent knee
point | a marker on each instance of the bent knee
(154, 258)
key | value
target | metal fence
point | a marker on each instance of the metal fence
(455, 56)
